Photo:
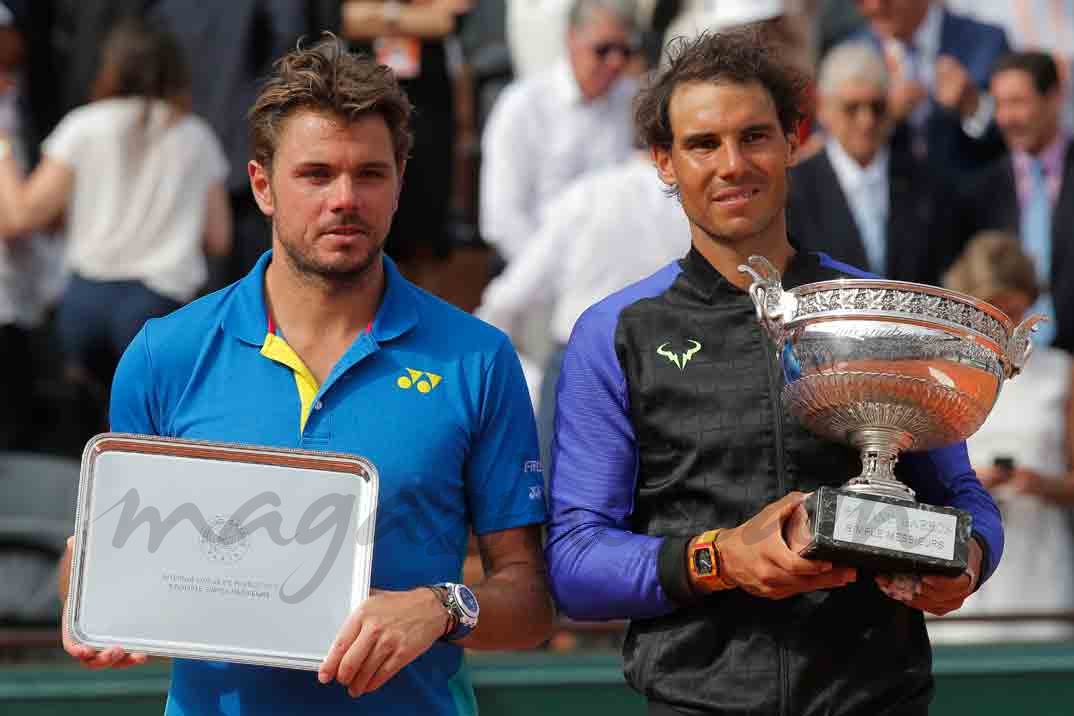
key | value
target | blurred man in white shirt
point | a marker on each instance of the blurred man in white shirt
(605, 231)
(552, 127)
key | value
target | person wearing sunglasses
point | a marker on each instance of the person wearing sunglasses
(863, 200)
(549, 128)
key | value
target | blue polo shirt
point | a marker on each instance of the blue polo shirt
(433, 396)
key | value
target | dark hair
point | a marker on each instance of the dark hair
(141, 59)
(1040, 66)
(741, 56)
(328, 78)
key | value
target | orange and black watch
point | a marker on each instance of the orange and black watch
(706, 565)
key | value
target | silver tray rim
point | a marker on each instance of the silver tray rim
(96, 445)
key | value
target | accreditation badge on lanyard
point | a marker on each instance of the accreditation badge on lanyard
(402, 54)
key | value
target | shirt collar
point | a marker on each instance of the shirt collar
(244, 316)
(853, 175)
(708, 282)
(927, 35)
(566, 86)
(1051, 156)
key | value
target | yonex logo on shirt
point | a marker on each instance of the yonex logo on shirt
(423, 381)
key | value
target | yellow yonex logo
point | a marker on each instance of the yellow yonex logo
(423, 380)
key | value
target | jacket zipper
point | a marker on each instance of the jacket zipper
(777, 410)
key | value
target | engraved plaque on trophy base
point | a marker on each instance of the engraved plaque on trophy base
(885, 534)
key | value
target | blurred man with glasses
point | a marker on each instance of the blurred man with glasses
(549, 128)
(862, 200)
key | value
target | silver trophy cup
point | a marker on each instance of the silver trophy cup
(887, 366)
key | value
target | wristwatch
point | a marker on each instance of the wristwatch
(462, 608)
(705, 564)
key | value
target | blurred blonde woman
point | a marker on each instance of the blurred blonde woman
(1023, 454)
(140, 181)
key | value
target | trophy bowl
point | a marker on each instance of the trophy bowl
(887, 366)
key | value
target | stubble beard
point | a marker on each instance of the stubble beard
(750, 239)
(308, 268)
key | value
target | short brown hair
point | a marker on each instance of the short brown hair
(993, 263)
(741, 56)
(328, 78)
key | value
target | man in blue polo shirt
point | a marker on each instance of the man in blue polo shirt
(324, 345)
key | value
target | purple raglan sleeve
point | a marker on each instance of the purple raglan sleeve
(599, 569)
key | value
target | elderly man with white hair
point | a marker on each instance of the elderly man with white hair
(860, 200)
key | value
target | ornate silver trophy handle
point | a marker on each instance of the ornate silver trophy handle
(1020, 346)
(775, 307)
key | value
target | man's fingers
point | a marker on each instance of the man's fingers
(934, 594)
(932, 606)
(130, 660)
(357, 653)
(838, 577)
(387, 670)
(946, 588)
(893, 58)
(346, 636)
(947, 67)
(78, 651)
(789, 503)
(379, 653)
(798, 566)
(104, 659)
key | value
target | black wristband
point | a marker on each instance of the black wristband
(672, 572)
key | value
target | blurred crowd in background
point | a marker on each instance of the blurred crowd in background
(936, 150)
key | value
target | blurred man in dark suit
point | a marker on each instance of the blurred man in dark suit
(940, 64)
(860, 200)
(1031, 190)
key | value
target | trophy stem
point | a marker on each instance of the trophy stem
(880, 448)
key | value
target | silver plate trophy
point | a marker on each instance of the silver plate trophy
(887, 366)
(215, 551)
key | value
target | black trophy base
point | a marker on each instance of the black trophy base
(886, 535)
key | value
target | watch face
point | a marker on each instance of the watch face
(467, 600)
(703, 561)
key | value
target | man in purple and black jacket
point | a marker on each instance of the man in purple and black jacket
(670, 425)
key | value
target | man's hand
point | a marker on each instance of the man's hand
(934, 594)
(904, 92)
(992, 476)
(386, 633)
(113, 657)
(954, 88)
(756, 557)
(1029, 482)
(903, 98)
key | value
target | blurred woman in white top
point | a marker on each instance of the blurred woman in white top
(139, 181)
(1023, 454)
